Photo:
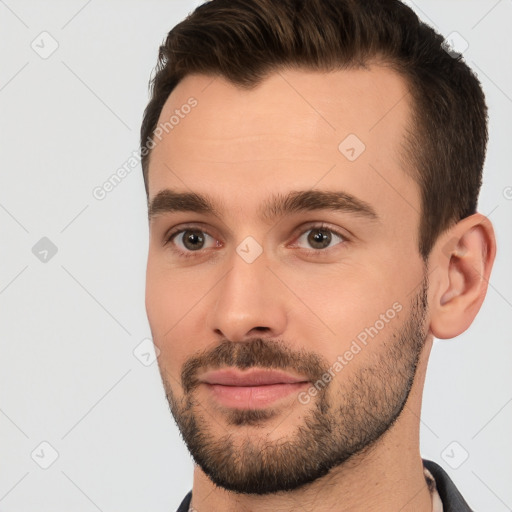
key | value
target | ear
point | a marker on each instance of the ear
(461, 260)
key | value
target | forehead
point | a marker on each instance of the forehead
(296, 129)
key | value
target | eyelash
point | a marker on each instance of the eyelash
(310, 252)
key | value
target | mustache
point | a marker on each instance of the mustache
(260, 353)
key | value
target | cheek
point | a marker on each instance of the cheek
(345, 294)
(170, 294)
(359, 301)
(159, 302)
(169, 307)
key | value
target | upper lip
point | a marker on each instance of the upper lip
(253, 377)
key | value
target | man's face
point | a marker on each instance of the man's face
(289, 330)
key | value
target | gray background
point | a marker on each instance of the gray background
(70, 324)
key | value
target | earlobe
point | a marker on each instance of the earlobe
(463, 259)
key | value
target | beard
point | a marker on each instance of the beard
(340, 422)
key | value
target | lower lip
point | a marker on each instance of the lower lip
(253, 397)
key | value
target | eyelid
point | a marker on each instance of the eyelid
(343, 233)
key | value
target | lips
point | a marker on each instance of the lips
(251, 389)
(256, 377)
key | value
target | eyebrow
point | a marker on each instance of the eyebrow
(278, 205)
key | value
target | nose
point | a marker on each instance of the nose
(248, 301)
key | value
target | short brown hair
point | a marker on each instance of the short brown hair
(246, 40)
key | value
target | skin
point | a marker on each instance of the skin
(240, 146)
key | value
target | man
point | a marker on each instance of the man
(312, 171)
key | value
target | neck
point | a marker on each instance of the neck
(386, 477)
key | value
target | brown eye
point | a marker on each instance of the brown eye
(320, 238)
(190, 240)
(193, 240)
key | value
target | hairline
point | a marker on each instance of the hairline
(405, 154)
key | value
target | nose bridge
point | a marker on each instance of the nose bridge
(245, 298)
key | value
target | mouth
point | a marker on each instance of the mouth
(251, 389)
